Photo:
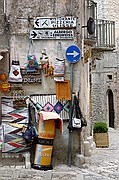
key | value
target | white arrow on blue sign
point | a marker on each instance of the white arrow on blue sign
(73, 54)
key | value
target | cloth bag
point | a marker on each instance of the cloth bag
(77, 121)
(15, 74)
(32, 63)
(59, 64)
(29, 133)
(59, 67)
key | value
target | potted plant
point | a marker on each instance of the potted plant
(100, 134)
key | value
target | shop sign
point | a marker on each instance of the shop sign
(31, 79)
(52, 34)
(54, 22)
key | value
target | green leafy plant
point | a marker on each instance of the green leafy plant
(100, 127)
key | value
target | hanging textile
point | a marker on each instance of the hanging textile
(15, 74)
(59, 64)
(63, 90)
(32, 63)
(19, 100)
(29, 133)
(45, 116)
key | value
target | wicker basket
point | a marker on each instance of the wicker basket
(101, 139)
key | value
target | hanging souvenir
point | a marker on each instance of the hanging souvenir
(19, 100)
(5, 87)
(59, 67)
(15, 74)
(44, 58)
(3, 76)
(44, 61)
(47, 66)
(32, 63)
(59, 64)
(50, 71)
(63, 90)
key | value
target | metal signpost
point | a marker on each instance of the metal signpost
(73, 56)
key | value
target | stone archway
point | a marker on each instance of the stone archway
(111, 108)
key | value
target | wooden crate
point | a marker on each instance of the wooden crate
(101, 139)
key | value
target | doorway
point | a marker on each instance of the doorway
(111, 108)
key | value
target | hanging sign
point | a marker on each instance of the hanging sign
(52, 34)
(54, 22)
(31, 77)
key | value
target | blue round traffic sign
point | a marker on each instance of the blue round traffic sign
(73, 54)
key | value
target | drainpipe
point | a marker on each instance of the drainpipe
(90, 95)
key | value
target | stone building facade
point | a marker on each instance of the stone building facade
(105, 74)
(18, 20)
(91, 82)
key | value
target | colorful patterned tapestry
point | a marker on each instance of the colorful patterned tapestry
(12, 122)
(49, 103)
(14, 119)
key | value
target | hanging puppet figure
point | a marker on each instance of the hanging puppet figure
(44, 60)
(46, 65)
(50, 70)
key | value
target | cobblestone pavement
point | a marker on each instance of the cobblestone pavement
(105, 161)
(103, 165)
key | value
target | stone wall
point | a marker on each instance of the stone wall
(101, 83)
(3, 28)
(107, 65)
(21, 15)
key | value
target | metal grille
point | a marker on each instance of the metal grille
(105, 33)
